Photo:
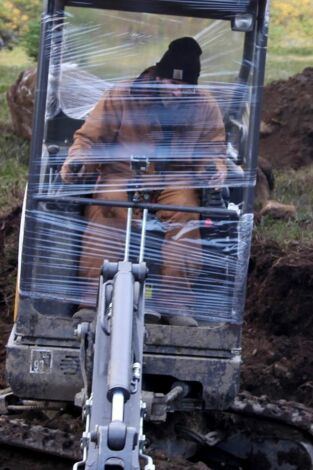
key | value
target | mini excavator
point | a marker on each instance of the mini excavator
(143, 384)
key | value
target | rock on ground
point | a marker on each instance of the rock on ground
(21, 98)
(287, 130)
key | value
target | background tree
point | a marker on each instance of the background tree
(15, 17)
(291, 22)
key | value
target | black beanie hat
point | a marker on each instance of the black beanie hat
(181, 61)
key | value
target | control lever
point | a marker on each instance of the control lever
(212, 198)
(53, 150)
(75, 166)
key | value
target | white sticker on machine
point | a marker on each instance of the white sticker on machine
(40, 361)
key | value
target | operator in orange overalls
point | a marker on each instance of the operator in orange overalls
(162, 112)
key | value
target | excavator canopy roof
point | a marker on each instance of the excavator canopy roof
(219, 9)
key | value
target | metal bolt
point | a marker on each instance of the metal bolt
(136, 370)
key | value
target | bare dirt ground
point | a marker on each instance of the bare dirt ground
(287, 112)
(11, 459)
(9, 233)
(277, 341)
(277, 336)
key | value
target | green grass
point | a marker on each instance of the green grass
(292, 187)
(293, 51)
(11, 64)
(13, 149)
(282, 64)
(287, 56)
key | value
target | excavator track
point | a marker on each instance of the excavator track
(20, 432)
(275, 431)
(286, 412)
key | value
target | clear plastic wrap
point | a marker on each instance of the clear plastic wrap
(119, 130)
(216, 263)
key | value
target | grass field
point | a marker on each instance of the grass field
(282, 65)
(285, 62)
(291, 187)
(13, 149)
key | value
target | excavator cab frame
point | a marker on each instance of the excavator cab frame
(43, 354)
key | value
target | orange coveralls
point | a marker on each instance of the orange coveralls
(122, 120)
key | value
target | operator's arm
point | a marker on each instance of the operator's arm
(100, 127)
(212, 143)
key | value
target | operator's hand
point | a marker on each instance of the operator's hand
(73, 171)
(218, 178)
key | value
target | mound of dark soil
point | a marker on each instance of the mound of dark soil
(277, 339)
(280, 288)
(9, 230)
(288, 117)
(280, 367)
